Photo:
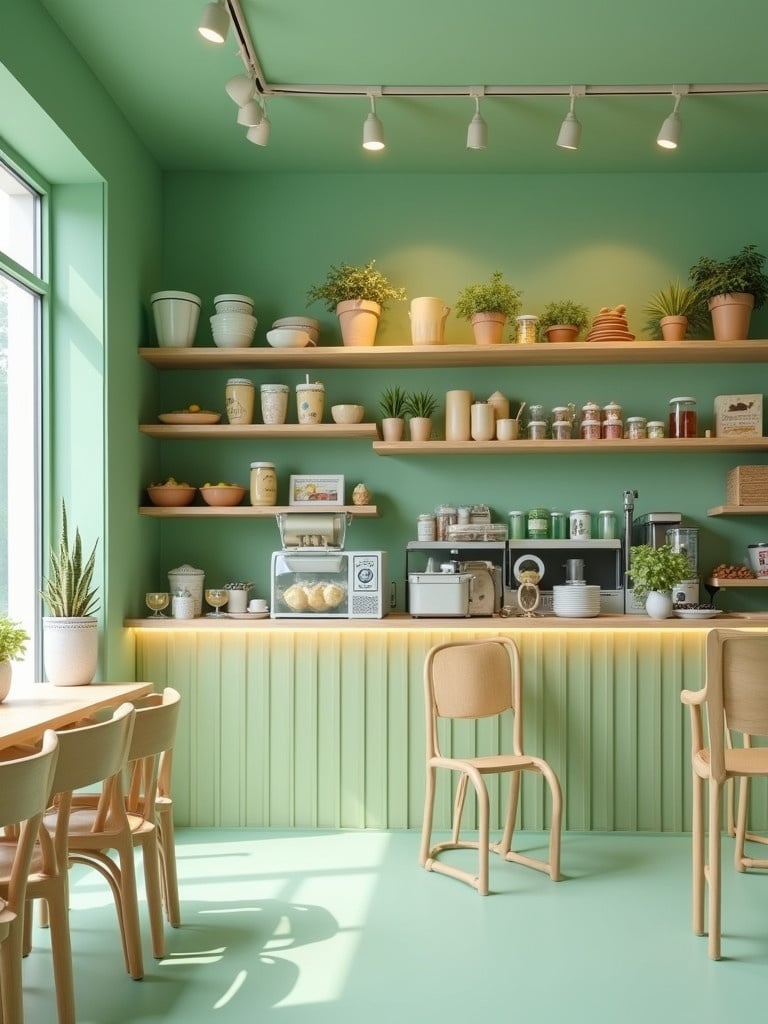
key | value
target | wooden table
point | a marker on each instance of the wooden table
(26, 713)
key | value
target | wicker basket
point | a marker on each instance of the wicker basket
(747, 485)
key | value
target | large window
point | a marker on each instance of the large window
(21, 293)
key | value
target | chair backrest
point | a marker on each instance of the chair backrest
(25, 788)
(737, 689)
(154, 735)
(472, 679)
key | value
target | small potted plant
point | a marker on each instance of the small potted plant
(419, 407)
(654, 571)
(563, 321)
(488, 307)
(70, 633)
(674, 312)
(13, 645)
(732, 288)
(393, 402)
(358, 296)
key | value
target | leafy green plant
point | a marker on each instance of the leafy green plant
(495, 296)
(67, 589)
(742, 272)
(657, 568)
(13, 640)
(420, 403)
(564, 312)
(346, 282)
(393, 402)
(676, 299)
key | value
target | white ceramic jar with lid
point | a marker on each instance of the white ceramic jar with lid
(186, 577)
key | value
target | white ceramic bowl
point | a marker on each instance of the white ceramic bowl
(347, 413)
(303, 323)
(233, 330)
(287, 337)
(758, 558)
(232, 303)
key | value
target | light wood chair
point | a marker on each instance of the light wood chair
(125, 819)
(473, 679)
(25, 788)
(735, 696)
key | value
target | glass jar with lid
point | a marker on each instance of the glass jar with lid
(527, 329)
(445, 516)
(637, 428)
(612, 412)
(591, 411)
(538, 523)
(263, 483)
(683, 420)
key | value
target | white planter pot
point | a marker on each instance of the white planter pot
(5, 679)
(176, 315)
(658, 604)
(70, 650)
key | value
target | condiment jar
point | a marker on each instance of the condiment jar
(580, 524)
(527, 329)
(637, 428)
(538, 523)
(562, 430)
(445, 516)
(683, 421)
(517, 522)
(537, 430)
(655, 428)
(263, 483)
(606, 524)
(591, 411)
(425, 527)
(612, 430)
(590, 430)
(612, 411)
(558, 525)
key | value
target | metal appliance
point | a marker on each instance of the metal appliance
(601, 565)
(651, 529)
(482, 561)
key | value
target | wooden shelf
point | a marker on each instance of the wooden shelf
(710, 445)
(738, 510)
(578, 353)
(251, 511)
(715, 581)
(253, 431)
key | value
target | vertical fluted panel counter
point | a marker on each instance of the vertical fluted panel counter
(314, 724)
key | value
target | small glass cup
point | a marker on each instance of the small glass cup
(216, 597)
(157, 600)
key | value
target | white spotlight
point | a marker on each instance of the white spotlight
(569, 136)
(214, 24)
(477, 132)
(240, 89)
(250, 114)
(373, 132)
(669, 136)
(259, 134)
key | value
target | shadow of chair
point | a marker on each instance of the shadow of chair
(476, 679)
(735, 696)
(25, 788)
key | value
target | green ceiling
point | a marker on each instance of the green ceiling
(169, 83)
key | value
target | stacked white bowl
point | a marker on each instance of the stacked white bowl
(233, 325)
(301, 323)
(576, 601)
(288, 337)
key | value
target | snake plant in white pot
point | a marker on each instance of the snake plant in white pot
(70, 633)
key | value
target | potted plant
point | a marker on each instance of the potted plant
(674, 312)
(654, 571)
(488, 306)
(70, 633)
(732, 288)
(563, 320)
(357, 295)
(13, 645)
(419, 407)
(393, 402)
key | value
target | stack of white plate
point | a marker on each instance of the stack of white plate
(576, 601)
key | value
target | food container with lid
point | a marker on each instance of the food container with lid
(527, 329)
(537, 430)
(439, 593)
(263, 483)
(655, 428)
(562, 430)
(612, 430)
(187, 578)
(637, 428)
(580, 524)
(683, 421)
(758, 558)
(537, 526)
(590, 430)
(612, 411)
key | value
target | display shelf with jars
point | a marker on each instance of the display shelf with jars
(548, 446)
(256, 431)
(250, 511)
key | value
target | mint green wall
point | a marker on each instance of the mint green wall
(602, 240)
(57, 117)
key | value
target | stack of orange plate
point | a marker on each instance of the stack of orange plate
(610, 325)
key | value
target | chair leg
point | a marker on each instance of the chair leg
(169, 875)
(697, 848)
(154, 894)
(10, 974)
(741, 825)
(483, 839)
(130, 913)
(505, 844)
(429, 810)
(458, 808)
(61, 951)
(714, 869)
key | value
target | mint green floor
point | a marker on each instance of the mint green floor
(324, 927)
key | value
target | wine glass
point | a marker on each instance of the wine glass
(217, 597)
(157, 600)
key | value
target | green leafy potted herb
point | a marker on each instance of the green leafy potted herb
(654, 571)
(732, 288)
(488, 306)
(393, 403)
(13, 645)
(563, 320)
(357, 295)
(674, 312)
(419, 407)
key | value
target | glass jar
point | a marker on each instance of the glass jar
(655, 428)
(263, 483)
(683, 421)
(606, 524)
(591, 411)
(562, 430)
(580, 524)
(558, 525)
(612, 412)
(463, 515)
(527, 329)
(590, 430)
(517, 522)
(637, 428)
(445, 516)
(537, 430)
(612, 430)
(537, 526)
(425, 527)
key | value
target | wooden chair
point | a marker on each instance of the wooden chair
(129, 822)
(472, 679)
(735, 696)
(25, 787)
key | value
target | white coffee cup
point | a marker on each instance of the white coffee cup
(257, 604)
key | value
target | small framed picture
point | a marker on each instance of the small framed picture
(316, 490)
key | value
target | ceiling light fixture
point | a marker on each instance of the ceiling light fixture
(214, 24)
(569, 136)
(477, 132)
(669, 136)
(241, 89)
(250, 114)
(259, 134)
(373, 132)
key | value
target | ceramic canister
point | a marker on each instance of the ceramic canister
(274, 402)
(457, 415)
(238, 397)
(310, 398)
(482, 422)
(186, 577)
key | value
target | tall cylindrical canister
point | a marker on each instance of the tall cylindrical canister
(482, 422)
(186, 577)
(581, 524)
(458, 405)
(686, 541)
(238, 398)
(263, 483)
(517, 521)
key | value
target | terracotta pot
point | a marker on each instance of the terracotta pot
(673, 328)
(420, 428)
(731, 315)
(488, 328)
(359, 321)
(392, 428)
(561, 332)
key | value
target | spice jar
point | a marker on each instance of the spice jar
(562, 430)
(517, 522)
(425, 527)
(612, 430)
(683, 420)
(537, 430)
(537, 526)
(558, 525)
(637, 428)
(606, 524)
(655, 428)
(611, 412)
(527, 329)
(445, 516)
(590, 430)
(263, 483)
(591, 411)
(581, 524)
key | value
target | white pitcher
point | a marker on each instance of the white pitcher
(428, 315)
